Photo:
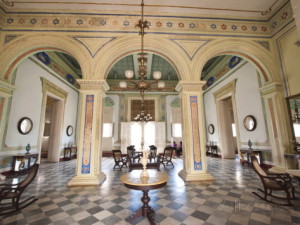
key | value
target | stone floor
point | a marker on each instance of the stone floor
(228, 200)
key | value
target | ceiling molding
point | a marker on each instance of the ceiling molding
(187, 6)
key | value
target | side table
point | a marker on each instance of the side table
(133, 180)
(23, 162)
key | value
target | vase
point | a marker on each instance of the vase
(28, 147)
(144, 161)
(249, 143)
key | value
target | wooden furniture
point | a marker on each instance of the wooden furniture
(244, 160)
(294, 173)
(155, 180)
(23, 162)
(134, 164)
(257, 152)
(273, 182)
(294, 160)
(152, 153)
(132, 154)
(212, 150)
(120, 159)
(10, 194)
(166, 157)
(70, 153)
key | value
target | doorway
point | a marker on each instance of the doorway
(52, 130)
(227, 128)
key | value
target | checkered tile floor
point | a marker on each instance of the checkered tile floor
(228, 200)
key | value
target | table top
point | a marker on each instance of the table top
(134, 178)
(295, 173)
(254, 150)
(25, 154)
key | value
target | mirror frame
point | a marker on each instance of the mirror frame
(69, 130)
(254, 120)
(20, 123)
(211, 129)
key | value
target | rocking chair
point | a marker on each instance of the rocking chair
(10, 194)
(274, 182)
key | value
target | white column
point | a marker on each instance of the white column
(278, 123)
(92, 93)
(194, 158)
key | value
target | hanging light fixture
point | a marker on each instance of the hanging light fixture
(142, 86)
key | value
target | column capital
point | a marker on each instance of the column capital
(190, 85)
(270, 88)
(95, 85)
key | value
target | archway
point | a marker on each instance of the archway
(272, 96)
(27, 54)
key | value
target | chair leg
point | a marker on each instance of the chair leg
(293, 193)
(288, 197)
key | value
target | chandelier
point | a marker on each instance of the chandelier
(141, 85)
(296, 117)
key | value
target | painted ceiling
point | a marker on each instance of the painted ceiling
(68, 68)
(154, 63)
(229, 8)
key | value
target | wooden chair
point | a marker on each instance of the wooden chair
(132, 154)
(10, 194)
(136, 165)
(166, 157)
(152, 153)
(244, 160)
(120, 159)
(273, 182)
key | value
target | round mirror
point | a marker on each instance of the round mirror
(250, 123)
(211, 129)
(25, 125)
(69, 130)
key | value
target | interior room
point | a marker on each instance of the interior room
(198, 102)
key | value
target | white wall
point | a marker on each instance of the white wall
(27, 101)
(248, 102)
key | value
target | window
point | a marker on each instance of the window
(233, 130)
(297, 129)
(149, 134)
(136, 135)
(107, 130)
(176, 130)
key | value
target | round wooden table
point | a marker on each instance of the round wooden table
(133, 180)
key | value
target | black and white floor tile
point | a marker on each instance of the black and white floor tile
(227, 200)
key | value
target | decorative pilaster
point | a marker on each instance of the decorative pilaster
(6, 92)
(278, 122)
(92, 93)
(195, 166)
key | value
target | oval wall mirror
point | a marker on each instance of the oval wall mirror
(211, 129)
(250, 123)
(69, 130)
(25, 125)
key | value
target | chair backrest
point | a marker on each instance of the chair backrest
(30, 177)
(152, 147)
(117, 155)
(168, 152)
(257, 168)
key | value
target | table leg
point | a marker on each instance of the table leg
(145, 210)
